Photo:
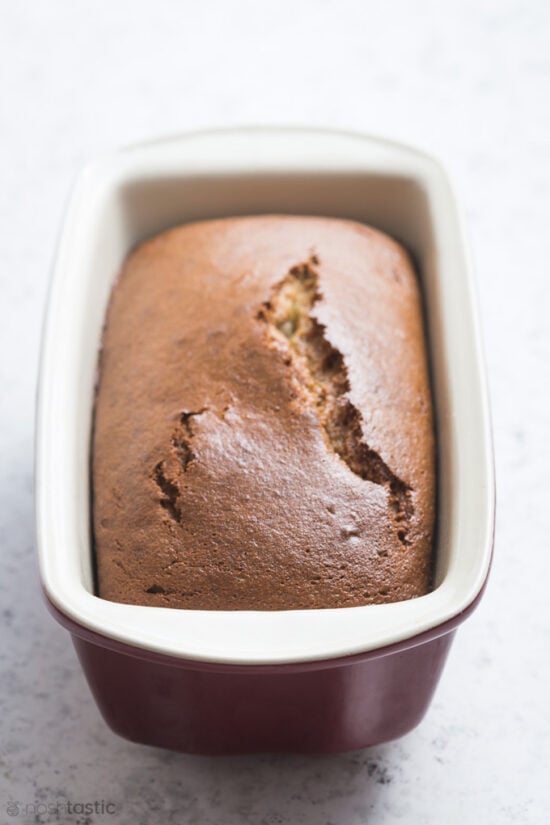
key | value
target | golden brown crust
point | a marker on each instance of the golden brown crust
(263, 428)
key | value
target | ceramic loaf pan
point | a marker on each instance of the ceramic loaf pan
(242, 681)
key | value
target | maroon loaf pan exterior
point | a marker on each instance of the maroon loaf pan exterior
(322, 707)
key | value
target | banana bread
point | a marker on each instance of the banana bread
(263, 435)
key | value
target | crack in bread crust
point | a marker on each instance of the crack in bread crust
(167, 473)
(320, 381)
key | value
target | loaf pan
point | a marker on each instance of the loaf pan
(245, 681)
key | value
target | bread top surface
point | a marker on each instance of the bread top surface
(263, 427)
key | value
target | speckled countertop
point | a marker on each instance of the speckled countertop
(469, 81)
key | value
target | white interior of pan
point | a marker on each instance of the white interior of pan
(142, 190)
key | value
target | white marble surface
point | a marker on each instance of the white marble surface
(469, 81)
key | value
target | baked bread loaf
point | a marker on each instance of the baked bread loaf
(263, 432)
